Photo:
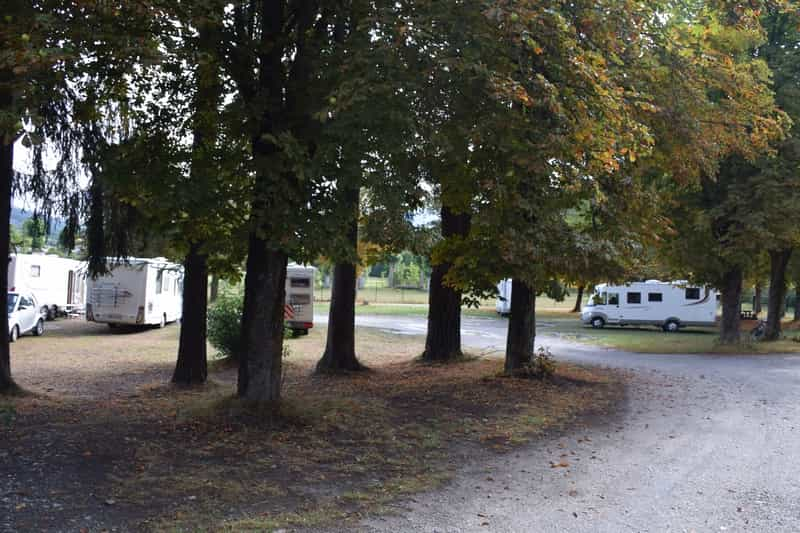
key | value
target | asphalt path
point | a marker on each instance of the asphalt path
(703, 443)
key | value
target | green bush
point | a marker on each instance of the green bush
(225, 325)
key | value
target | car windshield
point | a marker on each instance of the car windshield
(12, 301)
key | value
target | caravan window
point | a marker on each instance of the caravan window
(300, 283)
(36, 271)
(159, 281)
(634, 297)
(655, 297)
(692, 293)
(613, 298)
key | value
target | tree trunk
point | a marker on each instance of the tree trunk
(214, 292)
(796, 301)
(757, 300)
(443, 340)
(340, 347)
(262, 323)
(521, 327)
(779, 261)
(192, 365)
(578, 300)
(731, 306)
(7, 384)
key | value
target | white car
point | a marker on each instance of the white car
(24, 315)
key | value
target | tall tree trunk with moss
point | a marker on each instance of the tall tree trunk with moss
(779, 261)
(521, 327)
(578, 300)
(7, 384)
(192, 365)
(443, 341)
(340, 347)
(731, 306)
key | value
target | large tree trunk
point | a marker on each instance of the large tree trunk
(796, 301)
(443, 341)
(7, 384)
(260, 365)
(779, 261)
(731, 306)
(578, 300)
(340, 347)
(192, 365)
(521, 327)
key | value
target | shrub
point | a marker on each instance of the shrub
(225, 325)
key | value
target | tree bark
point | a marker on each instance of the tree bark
(578, 300)
(443, 340)
(779, 261)
(521, 327)
(731, 306)
(192, 365)
(796, 301)
(340, 346)
(262, 323)
(214, 292)
(7, 384)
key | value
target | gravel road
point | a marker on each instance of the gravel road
(704, 443)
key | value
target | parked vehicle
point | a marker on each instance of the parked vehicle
(57, 282)
(24, 315)
(503, 305)
(299, 306)
(669, 305)
(138, 292)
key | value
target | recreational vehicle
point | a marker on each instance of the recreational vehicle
(503, 305)
(668, 305)
(57, 282)
(139, 292)
(299, 308)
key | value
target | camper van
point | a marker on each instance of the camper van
(57, 282)
(299, 308)
(503, 305)
(142, 292)
(668, 305)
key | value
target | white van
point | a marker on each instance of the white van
(57, 282)
(299, 306)
(139, 292)
(503, 305)
(669, 305)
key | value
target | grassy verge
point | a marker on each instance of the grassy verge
(159, 458)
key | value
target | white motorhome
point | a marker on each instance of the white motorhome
(668, 305)
(299, 307)
(503, 305)
(138, 292)
(57, 282)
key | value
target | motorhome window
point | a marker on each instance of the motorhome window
(598, 298)
(159, 281)
(36, 271)
(634, 297)
(300, 283)
(692, 293)
(655, 297)
(613, 298)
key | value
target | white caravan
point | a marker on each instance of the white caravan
(299, 307)
(669, 305)
(138, 292)
(503, 305)
(57, 283)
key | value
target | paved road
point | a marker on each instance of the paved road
(705, 443)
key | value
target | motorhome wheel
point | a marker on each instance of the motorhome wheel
(671, 326)
(598, 322)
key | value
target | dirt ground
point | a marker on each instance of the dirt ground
(101, 442)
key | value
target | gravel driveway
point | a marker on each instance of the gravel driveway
(706, 443)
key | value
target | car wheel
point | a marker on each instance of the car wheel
(671, 326)
(14, 335)
(39, 329)
(598, 322)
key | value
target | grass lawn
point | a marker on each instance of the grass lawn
(102, 441)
